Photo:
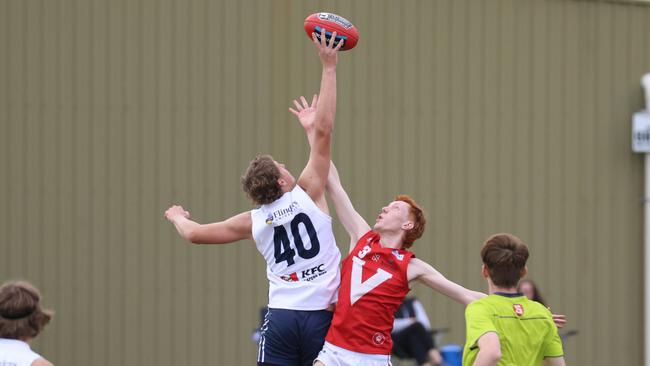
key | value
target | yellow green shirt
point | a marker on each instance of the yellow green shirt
(525, 328)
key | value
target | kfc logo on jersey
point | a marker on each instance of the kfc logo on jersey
(290, 278)
(269, 219)
(311, 273)
(519, 310)
(305, 275)
(378, 338)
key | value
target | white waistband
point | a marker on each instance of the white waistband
(368, 356)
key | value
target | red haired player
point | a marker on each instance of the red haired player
(376, 275)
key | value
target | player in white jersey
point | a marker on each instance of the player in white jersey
(21, 320)
(292, 230)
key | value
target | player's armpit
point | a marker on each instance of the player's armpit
(554, 361)
(353, 243)
(238, 227)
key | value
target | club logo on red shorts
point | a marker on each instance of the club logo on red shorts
(519, 310)
(378, 338)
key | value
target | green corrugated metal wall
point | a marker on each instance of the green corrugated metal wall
(496, 115)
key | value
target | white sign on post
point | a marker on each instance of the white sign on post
(641, 132)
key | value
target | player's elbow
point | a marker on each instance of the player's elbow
(466, 300)
(324, 127)
(337, 195)
(194, 236)
(469, 298)
(333, 188)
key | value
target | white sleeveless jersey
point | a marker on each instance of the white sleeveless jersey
(302, 260)
(16, 353)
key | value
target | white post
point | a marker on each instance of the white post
(645, 82)
(646, 248)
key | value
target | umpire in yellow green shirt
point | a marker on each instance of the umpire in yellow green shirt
(505, 328)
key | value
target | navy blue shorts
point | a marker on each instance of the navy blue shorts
(292, 337)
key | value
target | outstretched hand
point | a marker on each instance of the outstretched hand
(305, 112)
(326, 50)
(559, 320)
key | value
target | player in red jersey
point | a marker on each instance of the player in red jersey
(376, 275)
(375, 278)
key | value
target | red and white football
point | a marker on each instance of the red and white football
(332, 23)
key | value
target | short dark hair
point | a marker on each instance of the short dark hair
(505, 257)
(21, 316)
(419, 221)
(260, 181)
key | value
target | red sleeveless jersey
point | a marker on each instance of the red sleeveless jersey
(373, 286)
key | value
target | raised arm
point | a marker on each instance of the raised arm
(353, 223)
(238, 227)
(426, 274)
(314, 176)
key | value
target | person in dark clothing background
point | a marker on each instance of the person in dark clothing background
(412, 336)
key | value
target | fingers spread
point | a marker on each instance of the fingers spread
(322, 37)
(332, 39)
(339, 45)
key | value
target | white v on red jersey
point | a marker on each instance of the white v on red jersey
(373, 285)
(302, 260)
